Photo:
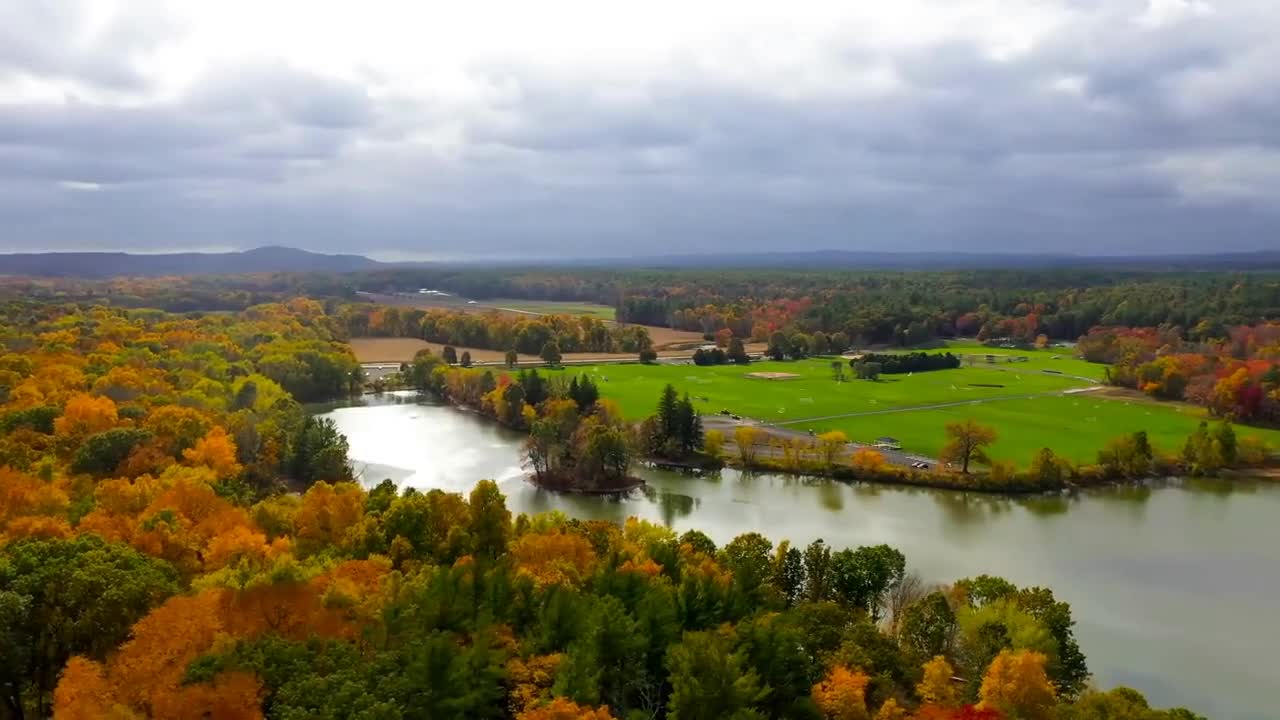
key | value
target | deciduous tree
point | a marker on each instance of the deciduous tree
(967, 442)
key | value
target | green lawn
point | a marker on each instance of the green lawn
(1063, 360)
(814, 394)
(1073, 425)
(553, 307)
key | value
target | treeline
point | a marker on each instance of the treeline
(1234, 372)
(896, 308)
(900, 308)
(899, 363)
(493, 330)
(967, 464)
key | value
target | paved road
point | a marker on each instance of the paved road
(727, 425)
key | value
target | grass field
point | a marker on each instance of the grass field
(552, 307)
(1075, 425)
(814, 393)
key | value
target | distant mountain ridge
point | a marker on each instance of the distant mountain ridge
(116, 264)
(97, 265)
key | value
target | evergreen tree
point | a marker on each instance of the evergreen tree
(535, 387)
(668, 413)
(1224, 437)
(738, 352)
(689, 426)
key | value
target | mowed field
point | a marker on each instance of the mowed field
(1029, 408)
(550, 307)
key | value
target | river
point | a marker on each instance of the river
(1172, 587)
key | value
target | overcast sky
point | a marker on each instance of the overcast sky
(434, 129)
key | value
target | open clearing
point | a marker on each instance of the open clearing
(1027, 406)
(550, 307)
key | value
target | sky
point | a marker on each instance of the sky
(418, 130)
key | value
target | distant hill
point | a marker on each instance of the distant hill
(858, 260)
(114, 264)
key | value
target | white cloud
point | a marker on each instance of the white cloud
(80, 185)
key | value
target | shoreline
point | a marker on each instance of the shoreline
(892, 475)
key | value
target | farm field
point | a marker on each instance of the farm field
(551, 307)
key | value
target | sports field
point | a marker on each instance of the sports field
(1022, 401)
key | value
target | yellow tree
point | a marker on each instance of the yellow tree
(327, 513)
(216, 450)
(967, 442)
(937, 688)
(564, 709)
(831, 445)
(713, 443)
(842, 694)
(554, 558)
(891, 710)
(1016, 684)
(746, 437)
(867, 460)
(86, 414)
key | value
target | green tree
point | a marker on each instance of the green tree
(749, 557)
(450, 354)
(101, 453)
(861, 578)
(490, 519)
(465, 360)
(928, 626)
(688, 426)
(709, 681)
(817, 571)
(1048, 469)
(738, 352)
(320, 453)
(60, 598)
(511, 358)
(778, 346)
(699, 541)
(1224, 438)
(550, 353)
(668, 415)
(788, 572)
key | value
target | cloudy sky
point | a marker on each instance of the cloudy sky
(433, 129)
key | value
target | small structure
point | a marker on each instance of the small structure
(888, 443)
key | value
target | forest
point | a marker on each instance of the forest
(179, 538)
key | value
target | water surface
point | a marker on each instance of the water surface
(1171, 586)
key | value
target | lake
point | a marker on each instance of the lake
(1172, 587)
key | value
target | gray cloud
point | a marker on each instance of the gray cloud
(1105, 136)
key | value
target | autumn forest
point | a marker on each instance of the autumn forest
(182, 537)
